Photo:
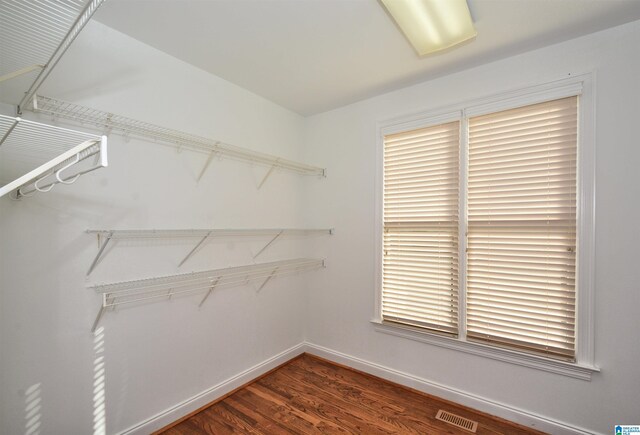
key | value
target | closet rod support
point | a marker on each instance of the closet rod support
(195, 249)
(100, 251)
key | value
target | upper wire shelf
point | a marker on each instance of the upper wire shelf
(34, 35)
(105, 236)
(170, 233)
(134, 128)
(165, 287)
(36, 157)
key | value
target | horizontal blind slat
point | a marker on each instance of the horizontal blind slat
(420, 240)
(522, 227)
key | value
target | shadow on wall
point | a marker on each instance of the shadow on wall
(33, 406)
(99, 406)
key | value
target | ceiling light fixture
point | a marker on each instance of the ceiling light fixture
(432, 25)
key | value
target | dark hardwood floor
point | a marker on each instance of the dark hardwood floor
(309, 395)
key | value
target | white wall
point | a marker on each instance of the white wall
(342, 299)
(157, 354)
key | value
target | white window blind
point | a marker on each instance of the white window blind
(521, 242)
(420, 241)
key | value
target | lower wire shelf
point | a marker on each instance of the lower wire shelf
(136, 291)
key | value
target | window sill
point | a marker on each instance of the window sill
(574, 370)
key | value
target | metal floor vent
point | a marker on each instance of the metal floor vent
(456, 420)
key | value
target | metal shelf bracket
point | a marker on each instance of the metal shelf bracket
(269, 172)
(267, 245)
(268, 278)
(207, 163)
(213, 286)
(101, 246)
(195, 249)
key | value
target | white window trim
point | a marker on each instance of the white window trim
(574, 370)
(582, 85)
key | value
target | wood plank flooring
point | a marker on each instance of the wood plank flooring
(309, 395)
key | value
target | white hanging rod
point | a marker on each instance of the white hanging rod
(39, 31)
(129, 292)
(105, 236)
(134, 128)
(24, 144)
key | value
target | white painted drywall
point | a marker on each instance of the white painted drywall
(341, 302)
(159, 354)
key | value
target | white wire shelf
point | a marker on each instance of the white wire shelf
(36, 157)
(165, 287)
(134, 128)
(105, 236)
(35, 34)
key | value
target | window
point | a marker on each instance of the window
(521, 230)
(480, 228)
(420, 261)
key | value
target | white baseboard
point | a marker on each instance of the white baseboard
(189, 405)
(507, 412)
